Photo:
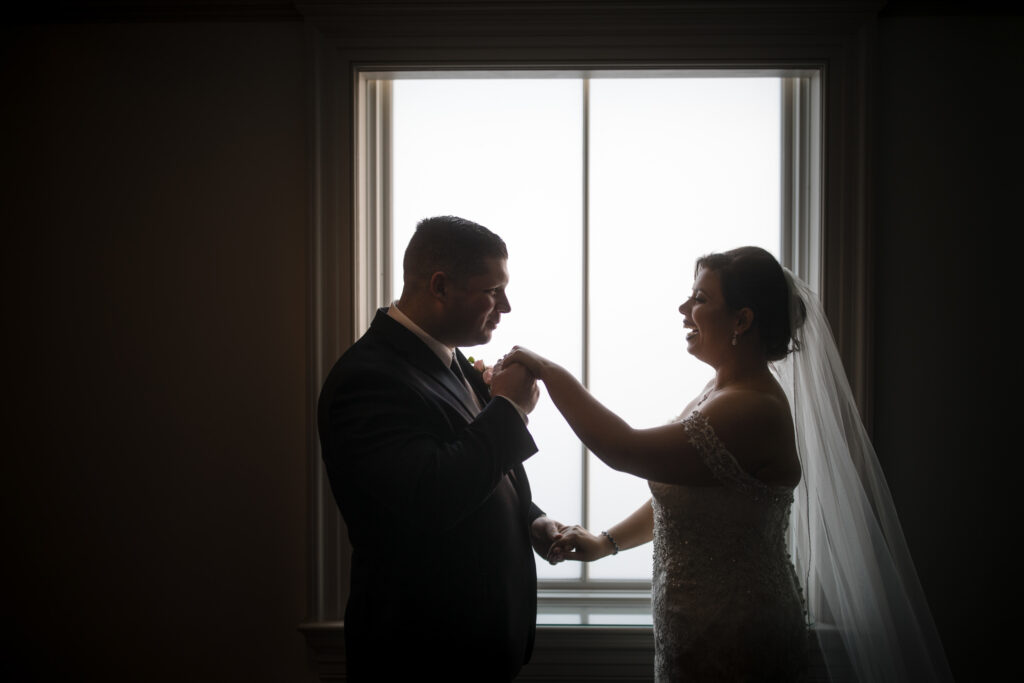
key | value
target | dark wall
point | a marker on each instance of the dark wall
(154, 215)
(948, 191)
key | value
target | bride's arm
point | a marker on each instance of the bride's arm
(661, 454)
(576, 543)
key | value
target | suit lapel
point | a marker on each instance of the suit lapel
(414, 352)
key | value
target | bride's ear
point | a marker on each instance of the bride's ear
(744, 320)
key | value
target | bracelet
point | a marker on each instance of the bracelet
(614, 544)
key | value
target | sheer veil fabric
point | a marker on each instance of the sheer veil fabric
(847, 544)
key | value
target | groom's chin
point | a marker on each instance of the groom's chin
(476, 339)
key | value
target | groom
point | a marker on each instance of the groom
(425, 463)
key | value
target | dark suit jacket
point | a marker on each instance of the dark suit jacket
(438, 510)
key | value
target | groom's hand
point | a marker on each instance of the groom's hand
(576, 543)
(543, 533)
(517, 384)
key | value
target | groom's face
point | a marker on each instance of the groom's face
(474, 306)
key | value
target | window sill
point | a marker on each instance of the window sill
(579, 652)
(569, 607)
(572, 652)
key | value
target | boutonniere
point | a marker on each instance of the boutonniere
(485, 370)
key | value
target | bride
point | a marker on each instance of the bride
(738, 485)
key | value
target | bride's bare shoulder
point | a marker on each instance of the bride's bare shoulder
(754, 425)
(745, 404)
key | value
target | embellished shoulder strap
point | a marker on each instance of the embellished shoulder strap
(723, 464)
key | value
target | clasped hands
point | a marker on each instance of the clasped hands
(515, 377)
(556, 542)
(515, 382)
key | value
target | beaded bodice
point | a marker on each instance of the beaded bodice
(722, 574)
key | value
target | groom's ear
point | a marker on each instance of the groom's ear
(438, 285)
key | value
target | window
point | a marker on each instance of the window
(606, 186)
(824, 56)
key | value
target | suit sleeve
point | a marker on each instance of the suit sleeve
(535, 512)
(400, 455)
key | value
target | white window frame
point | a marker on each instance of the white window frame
(832, 39)
(800, 228)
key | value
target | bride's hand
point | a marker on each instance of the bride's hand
(576, 543)
(533, 362)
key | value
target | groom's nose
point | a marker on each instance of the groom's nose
(503, 305)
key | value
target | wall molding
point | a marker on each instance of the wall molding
(155, 11)
(347, 38)
(578, 654)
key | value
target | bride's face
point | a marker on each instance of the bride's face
(707, 318)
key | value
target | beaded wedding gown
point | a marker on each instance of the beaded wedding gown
(727, 603)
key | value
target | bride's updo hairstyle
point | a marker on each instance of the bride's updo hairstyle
(752, 278)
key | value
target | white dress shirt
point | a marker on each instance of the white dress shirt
(444, 353)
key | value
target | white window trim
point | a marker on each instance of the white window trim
(832, 38)
(800, 227)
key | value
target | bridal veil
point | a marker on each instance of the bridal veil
(847, 544)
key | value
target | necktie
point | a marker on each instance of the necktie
(457, 371)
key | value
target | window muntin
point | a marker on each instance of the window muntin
(614, 185)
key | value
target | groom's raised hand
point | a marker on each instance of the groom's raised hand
(517, 384)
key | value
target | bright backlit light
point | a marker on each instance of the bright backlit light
(601, 256)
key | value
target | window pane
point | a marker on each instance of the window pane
(508, 154)
(678, 168)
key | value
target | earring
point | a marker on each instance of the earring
(735, 335)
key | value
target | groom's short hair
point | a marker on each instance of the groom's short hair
(455, 246)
